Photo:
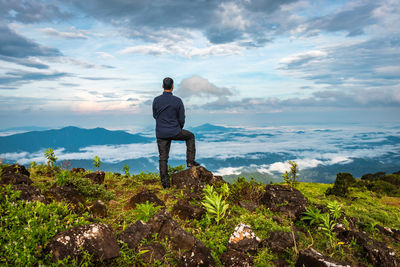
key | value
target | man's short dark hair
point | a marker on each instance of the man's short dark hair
(168, 83)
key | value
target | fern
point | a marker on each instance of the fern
(216, 207)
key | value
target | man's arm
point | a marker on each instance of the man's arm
(181, 114)
(154, 110)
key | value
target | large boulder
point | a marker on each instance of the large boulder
(15, 168)
(284, 199)
(376, 252)
(312, 258)
(96, 177)
(67, 194)
(194, 178)
(97, 239)
(243, 239)
(187, 211)
(142, 197)
(134, 233)
(30, 193)
(197, 254)
(279, 241)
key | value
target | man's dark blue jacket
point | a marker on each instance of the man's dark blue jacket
(169, 112)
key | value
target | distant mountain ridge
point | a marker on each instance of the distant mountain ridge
(71, 138)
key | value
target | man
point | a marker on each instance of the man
(169, 113)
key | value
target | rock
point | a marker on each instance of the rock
(250, 206)
(376, 252)
(279, 241)
(134, 233)
(243, 239)
(156, 252)
(30, 193)
(15, 168)
(142, 197)
(98, 209)
(97, 239)
(187, 211)
(394, 233)
(194, 178)
(15, 178)
(280, 263)
(66, 193)
(312, 258)
(284, 199)
(197, 254)
(96, 177)
(232, 257)
(77, 170)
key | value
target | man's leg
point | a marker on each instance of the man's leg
(188, 136)
(163, 150)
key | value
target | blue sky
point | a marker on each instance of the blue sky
(100, 63)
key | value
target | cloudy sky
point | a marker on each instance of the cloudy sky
(100, 63)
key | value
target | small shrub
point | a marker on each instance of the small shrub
(145, 211)
(126, 170)
(290, 177)
(97, 163)
(312, 215)
(242, 189)
(62, 177)
(172, 170)
(216, 207)
(342, 183)
(51, 158)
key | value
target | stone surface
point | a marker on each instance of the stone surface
(394, 233)
(232, 257)
(312, 258)
(243, 239)
(142, 197)
(77, 170)
(279, 241)
(250, 206)
(194, 178)
(187, 211)
(66, 193)
(134, 233)
(199, 256)
(96, 177)
(156, 252)
(284, 199)
(98, 209)
(15, 178)
(15, 168)
(30, 193)
(97, 239)
(376, 252)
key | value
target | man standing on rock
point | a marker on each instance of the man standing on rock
(169, 113)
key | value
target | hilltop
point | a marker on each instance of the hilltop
(109, 219)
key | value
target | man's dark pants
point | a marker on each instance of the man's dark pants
(163, 149)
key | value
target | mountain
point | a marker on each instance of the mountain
(210, 128)
(71, 138)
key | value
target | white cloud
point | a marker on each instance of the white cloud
(104, 55)
(196, 86)
(74, 34)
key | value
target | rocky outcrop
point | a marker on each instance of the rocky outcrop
(153, 252)
(142, 197)
(232, 257)
(134, 233)
(376, 252)
(15, 174)
(284, 199)
(78, 170)
(96, 239)
(96, 177)
(30, 193)
(394, 233)
(312, 258)
(195, 179)
(98, 209)
(67, 194)
(279, 241)
(187, 211)
(243, 239)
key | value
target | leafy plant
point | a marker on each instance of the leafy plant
(335, 210)
(51, 158)
(62, 177)
(145, 211)
(216, 207)
(172, 170)
(225, 190)
(290, 177)
(313, 216)
(126, 170)
(97, 163)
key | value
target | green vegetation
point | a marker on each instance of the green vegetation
(97, 163)
(290, 177)
(36, 223)
(51, 158)
(126, 170)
